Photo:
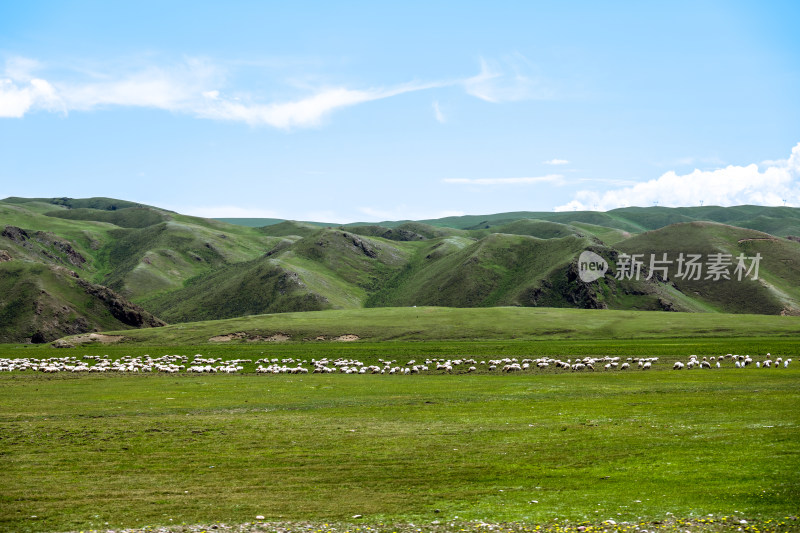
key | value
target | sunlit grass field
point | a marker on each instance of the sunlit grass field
(115, 451)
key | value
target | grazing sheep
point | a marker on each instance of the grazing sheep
(677, 366)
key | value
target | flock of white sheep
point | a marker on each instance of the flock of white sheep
(351, 366)
(199, 364)
(739, 361)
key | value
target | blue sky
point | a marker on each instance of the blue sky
(360, 111)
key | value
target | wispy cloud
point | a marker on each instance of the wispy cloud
(178, 88)
(693, 160)
(507, 81)
(550, 178)
(556, 162)
(609, 181)
(197, 87)
(774, 183)
(305, 112)
(437, 113)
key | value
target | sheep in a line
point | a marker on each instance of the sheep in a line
(200, 364)
(739, 361)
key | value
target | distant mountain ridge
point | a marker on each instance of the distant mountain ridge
(180, 268)
(777, 220)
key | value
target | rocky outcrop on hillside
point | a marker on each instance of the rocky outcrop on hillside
(44, 245)
(126, 312)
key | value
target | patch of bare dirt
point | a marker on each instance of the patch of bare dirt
(229, 337)
(773, 239)
(86, 338)
(241, 335)
(347, 338)
(278, 337)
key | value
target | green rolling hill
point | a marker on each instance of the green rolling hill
(41, 303)
(180, 268)
(778, 221)
(776, 291)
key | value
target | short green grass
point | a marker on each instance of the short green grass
(481, 324)
(112, 451)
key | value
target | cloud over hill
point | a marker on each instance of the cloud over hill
(771, 183)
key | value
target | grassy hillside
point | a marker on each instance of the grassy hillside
(776, 291)
(408, 231)
(495, 270)
(251, 287)
(779, 221)
(328, 268)
(288, 227)
(187, 268)
(538, 228)
(41, 303)
(137, 250)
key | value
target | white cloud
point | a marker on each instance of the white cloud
(191, 87)
(177, 88)
(731, 185)
(21, 68)
(306, 112)
(16, 99)
(550, 178)
(508, 82)
(196, 87)
(556, 162)
(437, 113)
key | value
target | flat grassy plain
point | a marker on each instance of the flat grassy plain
(81, 452)
(106, 452)
(492, 324)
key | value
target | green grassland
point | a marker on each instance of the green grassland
(540, 448)
(108, 452)
(481, 324)
(81, 452)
